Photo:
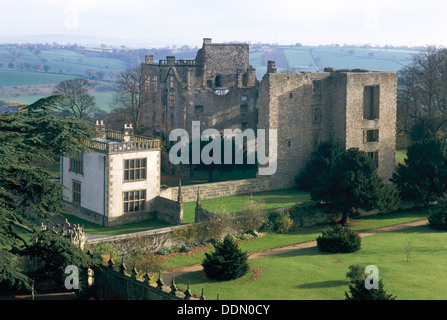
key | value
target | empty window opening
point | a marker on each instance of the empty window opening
(370, 136)
(375, 157)
(244, 109)
(371, 102)
(217, 83)
(198, 109)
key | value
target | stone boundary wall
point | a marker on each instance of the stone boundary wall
(169, 210)
(152, 241)
(111, 284)
(218, 189)
(143, 241)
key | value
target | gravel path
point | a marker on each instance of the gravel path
(169, 275)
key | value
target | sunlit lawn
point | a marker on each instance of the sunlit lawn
(273, 199)
(303, 235)
(309, 274)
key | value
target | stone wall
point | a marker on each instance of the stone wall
(144, 241)
(218, 189)
(169, 210)
(111, 284)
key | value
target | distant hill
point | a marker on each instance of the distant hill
(30, 70)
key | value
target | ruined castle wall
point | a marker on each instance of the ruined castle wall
(289, 106)
(385, 124)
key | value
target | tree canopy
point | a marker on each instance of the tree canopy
(422, 95)
(27, 136)
(352, 183)
(423, 177)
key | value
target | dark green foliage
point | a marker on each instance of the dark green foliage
(339, 239)
(28, 137)
(438, 217)
(356, 272)
(227, 262)
(352, 183)
(320, 163)
(277, 222)
(358, 291)
(423, 177)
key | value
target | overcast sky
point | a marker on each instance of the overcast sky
(177, 22)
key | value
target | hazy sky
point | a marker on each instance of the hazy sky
(176, 22)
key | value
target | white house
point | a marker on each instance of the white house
(117, 181)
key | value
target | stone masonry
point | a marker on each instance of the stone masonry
(356, 108)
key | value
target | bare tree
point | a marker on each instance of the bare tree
(422, 95)
(77, 101)
(130, 96)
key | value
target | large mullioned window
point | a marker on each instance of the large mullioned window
(134, 201)
(135, 169)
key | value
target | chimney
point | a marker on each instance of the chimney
(271, 67)
(127, 132)
(171, 60)
(207, 41)
(100, 125)
(149, 59)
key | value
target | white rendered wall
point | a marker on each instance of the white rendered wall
(92, 181)
(117, 185)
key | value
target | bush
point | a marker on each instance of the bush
(359, 291)
(339, 239)
(301, 213)
(277, 222)
(438, 220)
(252, 217)
(227, 262)
(356, 272)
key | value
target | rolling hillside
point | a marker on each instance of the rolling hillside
(28, 73)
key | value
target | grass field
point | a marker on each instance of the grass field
(273, 199)
(309, 274)
(103, 100)
(271, 241)
(14, 77)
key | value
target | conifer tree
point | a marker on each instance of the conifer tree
(227, 262)
(359, 291)
(27, 137)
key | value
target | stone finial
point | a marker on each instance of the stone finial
(122, 267)
(202, 297)
(180, 196)
(147, 278)
(110, 262)
(134, 272)
(188, 293)
(198, 204)
(174, 288)
(160, 282)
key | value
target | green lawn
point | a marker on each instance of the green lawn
(309, 274)
(273, 199)
(400, 156)
(305, 234)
